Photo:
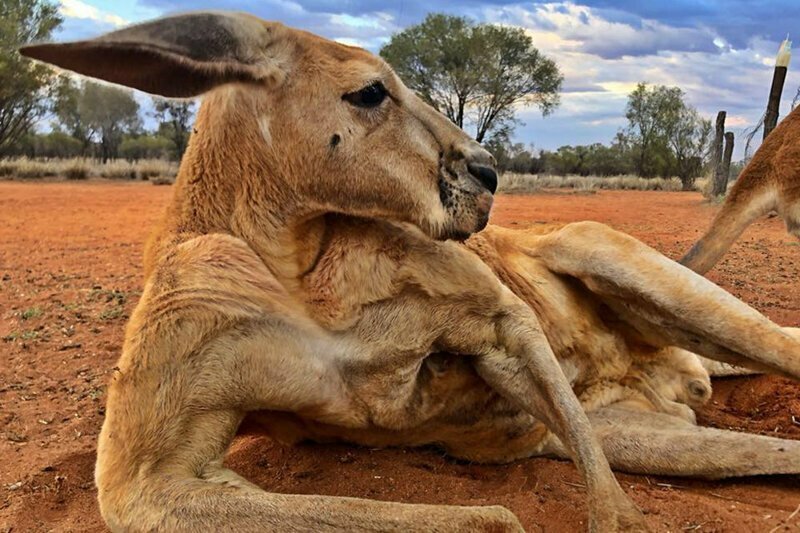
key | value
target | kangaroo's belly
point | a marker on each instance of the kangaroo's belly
(473, 422)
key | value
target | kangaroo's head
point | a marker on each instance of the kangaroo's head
(297, 119)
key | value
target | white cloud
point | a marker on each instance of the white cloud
(583, 28)
(602, 52)
(603, 60)
(349, 41)
(80, 10)
(363, 22)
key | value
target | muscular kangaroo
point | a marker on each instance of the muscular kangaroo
(302, 274)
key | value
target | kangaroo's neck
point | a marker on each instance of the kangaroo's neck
(228, 183)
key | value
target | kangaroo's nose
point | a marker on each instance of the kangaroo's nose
(485, 174)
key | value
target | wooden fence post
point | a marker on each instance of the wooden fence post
(775, 92)
(725, 167)
(719, 184)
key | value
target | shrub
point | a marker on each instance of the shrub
(32, 169)
(8, 168)
(118, 169)
(146, 147)
(523, 183)
(76, 170)
(153, 168)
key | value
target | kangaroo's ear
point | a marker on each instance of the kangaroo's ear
(178, 56)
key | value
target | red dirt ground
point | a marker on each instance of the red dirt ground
(70, 270)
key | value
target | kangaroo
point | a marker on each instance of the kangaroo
(769, 182)
(325, 267)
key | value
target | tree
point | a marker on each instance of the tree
(587, 160)
(512, 71)
(601, 160)
(175, 117)
(91, 112)
(50, 145)
(66, 102)
(474, 73)
(109, 112)
(689, 137)
(651, 113)
(666, 136)
(23, 84)
(145, 147)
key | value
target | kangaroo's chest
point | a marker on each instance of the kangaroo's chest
(359, 286)
(360, 266)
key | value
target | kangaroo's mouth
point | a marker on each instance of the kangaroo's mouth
(466, 203)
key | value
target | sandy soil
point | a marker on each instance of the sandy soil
(70, 270)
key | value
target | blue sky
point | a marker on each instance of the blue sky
(720, 52)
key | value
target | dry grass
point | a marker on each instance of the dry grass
(118, 169)
(155, 168)
(702, 185)
(30, 169)
(526, 183)
(145, 169)
(76, 170)
(705, 185)
(162, 172)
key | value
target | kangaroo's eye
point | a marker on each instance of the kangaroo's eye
(370, 96)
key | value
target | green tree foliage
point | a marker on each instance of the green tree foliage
(689, 137)
(55, 144)
(649, 112)
(587, 160)
(107, 118)
(513, 157)
(96, 113)
(66, 106)
(147, 147)
(23, 84)
(667, 136)
(584, 160)
(474, 73)
(110, 112)
(175, 122)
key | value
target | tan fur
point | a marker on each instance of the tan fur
(770, 182)
(305, 283)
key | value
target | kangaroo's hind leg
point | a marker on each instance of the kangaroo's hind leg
(655, 443)
(665, 304)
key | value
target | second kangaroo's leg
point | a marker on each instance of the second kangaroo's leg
(790, 207)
